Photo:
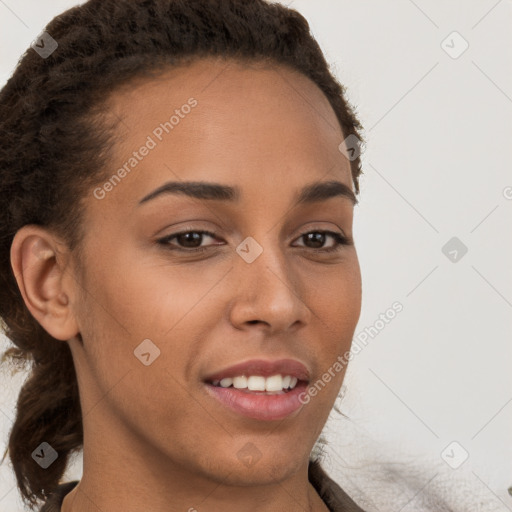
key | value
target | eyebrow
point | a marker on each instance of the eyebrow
(311, 193)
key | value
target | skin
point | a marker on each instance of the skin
(153, 430)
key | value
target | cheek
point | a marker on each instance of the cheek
(144, 298)
(336, 302)
(131, 310)
(334, 295)
(124, 316)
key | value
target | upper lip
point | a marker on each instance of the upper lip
(264, 368)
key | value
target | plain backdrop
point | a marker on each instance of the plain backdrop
(432, 83)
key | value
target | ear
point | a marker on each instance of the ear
(39, 266)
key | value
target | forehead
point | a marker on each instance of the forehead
(219, 83)
(263, 127)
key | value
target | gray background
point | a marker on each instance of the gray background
(437, 166)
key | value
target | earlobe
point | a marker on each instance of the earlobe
(39, 268)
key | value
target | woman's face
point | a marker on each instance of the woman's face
(160, 322)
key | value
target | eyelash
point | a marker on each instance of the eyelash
(340, 240)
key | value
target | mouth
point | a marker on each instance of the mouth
(259, 389)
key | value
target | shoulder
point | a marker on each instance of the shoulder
(336, 499)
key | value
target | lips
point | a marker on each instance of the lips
(260, 405)
(263, 368)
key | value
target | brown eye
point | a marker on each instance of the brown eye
(187, 241)
(191, 239)
(316, 239)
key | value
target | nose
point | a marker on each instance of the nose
(268, 293)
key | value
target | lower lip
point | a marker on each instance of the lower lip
(259, 406)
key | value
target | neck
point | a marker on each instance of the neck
(173, 494)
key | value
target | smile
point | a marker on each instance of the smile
(259, 389)
(274, 384)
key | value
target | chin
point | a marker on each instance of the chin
(263, 471)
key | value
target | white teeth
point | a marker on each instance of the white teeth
(274, 383)
(240, 382)
(225, 383)
(256, 383)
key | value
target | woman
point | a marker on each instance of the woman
(178, 182)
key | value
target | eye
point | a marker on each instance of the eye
(318, 238)
(190, 240)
